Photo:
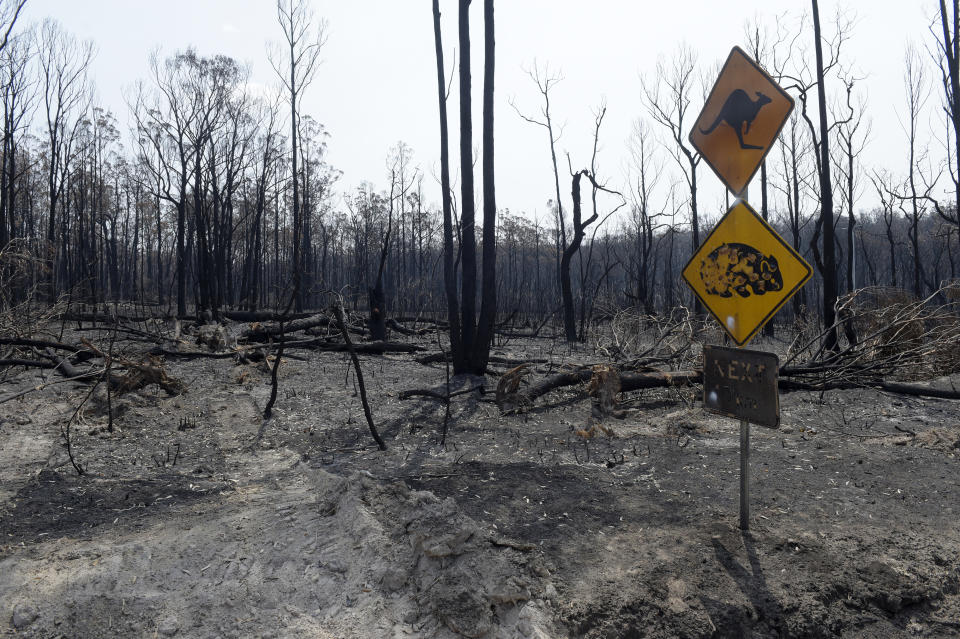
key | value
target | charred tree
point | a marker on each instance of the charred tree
(303, 43)
(468, 239)
(470, 345)
(829, 264)
(949, 58)
(488, 286)
(378, 318)
(449, 271)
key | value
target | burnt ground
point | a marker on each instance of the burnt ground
(186, 524)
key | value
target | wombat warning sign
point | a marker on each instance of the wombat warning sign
(744, 272)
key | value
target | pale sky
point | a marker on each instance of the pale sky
(377, 84)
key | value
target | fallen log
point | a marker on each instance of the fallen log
(664, 379)
(533, 334)
(436, 358)
(108, 318)
(439, 323)
(248, 354)
(158, 351)
(152, 337)
(920, 390)
(63, 366)
(628, 381)
(351, 328)
(900, 388)
(264, 332)
(320, 344)
(262, 316)
(29, 363)
(378, 348)
(37, 343)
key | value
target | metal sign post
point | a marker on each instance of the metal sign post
(744, 448)
(744, 272)
(744, 475)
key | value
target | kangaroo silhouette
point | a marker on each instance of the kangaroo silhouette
(738, 110)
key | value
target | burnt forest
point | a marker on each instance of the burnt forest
(262, 376)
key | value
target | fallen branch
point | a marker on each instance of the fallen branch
(12, 396)
(436, 358)
(919, 390)
(665, 379)
(152, 337)
(377, 348)
(30, 363)
(162, 352)
(108, 318)
(261, 316)
(900, 388)
(64, 367)
(338, 314)
(403, 330)
(905, 430)
(442, 324)
(37, 343)
(437, 395)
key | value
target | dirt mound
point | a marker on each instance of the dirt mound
(318, 555)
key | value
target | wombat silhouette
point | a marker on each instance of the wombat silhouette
(738, 110)
(741, 269)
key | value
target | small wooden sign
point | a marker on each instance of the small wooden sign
(741, 384)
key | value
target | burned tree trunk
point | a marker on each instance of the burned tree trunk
(449, 270)
(468, 241)
(566, 290)
(378, 318)
(488, 286)
(829, 271)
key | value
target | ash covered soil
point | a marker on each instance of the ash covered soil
(196, 519)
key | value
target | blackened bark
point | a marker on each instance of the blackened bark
(338, 315)
(181, 257)
(829, 269)
(579, 225)
(378, 318)
(851, 222)
(488, 302)
(468, 241)
(951, 85)
(294, 138)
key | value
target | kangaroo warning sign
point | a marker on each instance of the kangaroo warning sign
(744, 272)
(740, 120)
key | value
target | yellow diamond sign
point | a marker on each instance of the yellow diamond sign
(740, 120)
(744, 272)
